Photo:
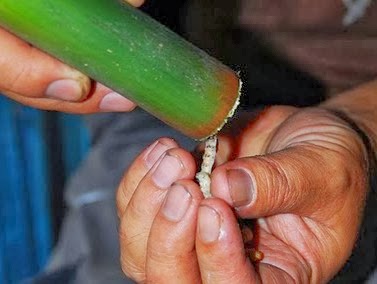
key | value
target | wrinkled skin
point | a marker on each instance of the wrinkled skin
(303, 177)
(28, 75)
(302, 174)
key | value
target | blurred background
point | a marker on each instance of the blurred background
(39, 150)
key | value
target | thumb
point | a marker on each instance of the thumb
(35, 78)
(26, 70)
(290, 181)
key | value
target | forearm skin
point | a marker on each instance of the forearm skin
(360, 104)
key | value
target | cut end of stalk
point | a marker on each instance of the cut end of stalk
(230, 113)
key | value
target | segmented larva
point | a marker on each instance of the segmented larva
(204, 179)
(204, 176)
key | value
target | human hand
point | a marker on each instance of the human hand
(301, 174)
(33, 78)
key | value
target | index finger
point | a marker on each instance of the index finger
(139, 169)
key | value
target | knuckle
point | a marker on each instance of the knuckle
(349, 172)
(18, 74)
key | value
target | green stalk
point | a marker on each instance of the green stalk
(126, 50)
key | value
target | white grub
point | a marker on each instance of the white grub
(204, 176)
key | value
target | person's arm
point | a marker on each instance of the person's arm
(359, 108)
(360, 104)
(36, 79)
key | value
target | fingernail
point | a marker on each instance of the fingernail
(168, 171)
(208, 224)
(176, 203)
(154, 153)
(66, 90)
(114, 102)
(240, 187)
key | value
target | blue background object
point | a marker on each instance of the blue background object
(27, 177)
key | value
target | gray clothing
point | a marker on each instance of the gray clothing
(88, 249)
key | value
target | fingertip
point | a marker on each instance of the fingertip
(154, 151)
(188, 161)
(181, 203)
(219, 238)
(72, 89)
(138, 169)
(114, 102)
(176, 204)
(192, 188)
(171, 247)
(216, 222)
(219, 185)
(215, 218)
(175, 164)
(135, 3)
